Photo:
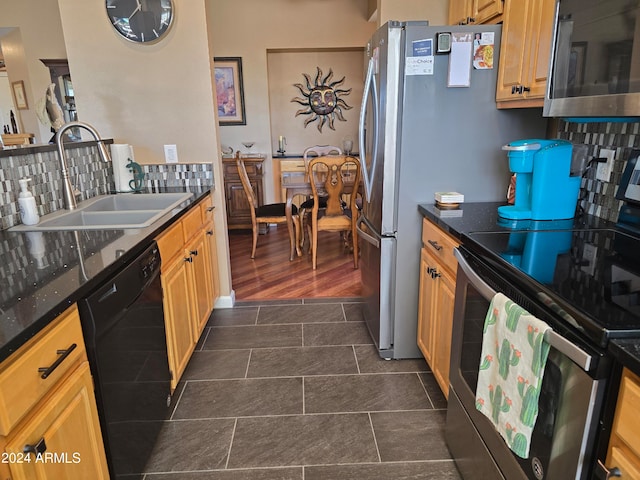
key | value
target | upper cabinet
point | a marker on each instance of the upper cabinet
(525, 50)
(470, 12)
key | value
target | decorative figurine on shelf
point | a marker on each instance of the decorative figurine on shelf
(49, 111)
(322, 100)
(138, 176)
(14, 125)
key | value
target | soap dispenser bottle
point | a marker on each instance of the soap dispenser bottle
(27, 204)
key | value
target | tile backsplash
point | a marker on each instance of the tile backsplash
(88, 173)
(598, 197)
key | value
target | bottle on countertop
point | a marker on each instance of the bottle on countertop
(27, 203)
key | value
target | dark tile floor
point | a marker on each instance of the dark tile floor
(298, 392)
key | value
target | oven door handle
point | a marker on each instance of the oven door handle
(564, 346)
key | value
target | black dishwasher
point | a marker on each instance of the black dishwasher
(123, 325)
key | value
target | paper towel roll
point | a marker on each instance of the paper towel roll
(121, 153)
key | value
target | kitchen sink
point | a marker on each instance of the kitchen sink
(120, 211)
(133, 201)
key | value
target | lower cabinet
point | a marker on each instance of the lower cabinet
(624, 445)
(49, 428)
(187, 275)
(437, 297)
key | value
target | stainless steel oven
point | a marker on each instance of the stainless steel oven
(572, 392)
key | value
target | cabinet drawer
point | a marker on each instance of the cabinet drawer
(21, 384)
(440, 244)
(170, 243)
(206, 207)
(292, 165)
(191, 223)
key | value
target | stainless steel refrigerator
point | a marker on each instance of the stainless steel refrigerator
(428, 123)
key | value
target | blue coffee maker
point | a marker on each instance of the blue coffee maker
(546, 188)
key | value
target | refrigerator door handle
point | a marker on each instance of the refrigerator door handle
(370, 88)
(373, 240)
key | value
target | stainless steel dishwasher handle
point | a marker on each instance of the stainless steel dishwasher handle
(564, 346)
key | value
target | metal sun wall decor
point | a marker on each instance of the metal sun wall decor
(322, 100)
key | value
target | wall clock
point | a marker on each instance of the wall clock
(141, 21)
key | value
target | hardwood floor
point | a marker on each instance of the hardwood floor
(271, 276)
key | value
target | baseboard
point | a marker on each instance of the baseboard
(226, 301)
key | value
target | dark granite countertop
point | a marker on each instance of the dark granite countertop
(43, 273)
(483, 217)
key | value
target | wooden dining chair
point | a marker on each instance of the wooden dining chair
(307, 205)
(269, 213)
(335, 177)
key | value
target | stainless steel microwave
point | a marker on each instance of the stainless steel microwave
(595, 61)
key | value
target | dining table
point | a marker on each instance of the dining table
(297, 183)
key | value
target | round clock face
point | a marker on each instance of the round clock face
(142, 21)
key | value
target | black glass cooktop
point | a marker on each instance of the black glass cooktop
(595, 271)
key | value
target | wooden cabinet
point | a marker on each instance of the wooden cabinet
(437, 296)
(55, 418)
(238, 209)
(624, 445)
(525, 51)
(187, 282)
(12, 139)
(474, 12)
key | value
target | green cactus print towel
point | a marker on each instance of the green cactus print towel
(514, 353)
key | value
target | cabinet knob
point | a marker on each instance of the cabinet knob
(470, 20)
(435, 274)
(194, 253)
(210, 209)
(209, 232)
(188, 259)
(525, 89)
(514, 90)
(37, 448)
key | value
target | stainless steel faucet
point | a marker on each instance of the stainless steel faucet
(69, 197)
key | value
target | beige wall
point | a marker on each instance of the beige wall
(435, 11)
(145, 95)
(271, 25)
(285, 69)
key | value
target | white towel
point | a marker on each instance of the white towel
(121, 155)
(514, 353)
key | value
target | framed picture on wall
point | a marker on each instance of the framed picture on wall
(229, 90)
(19, 95)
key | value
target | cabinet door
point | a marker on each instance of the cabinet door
(443, 324)
(178, 317)
(514, 49)
(425, 308)
(459, 11)
(200, 282)
(540, 35)
(486, 10)
(67, 423)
